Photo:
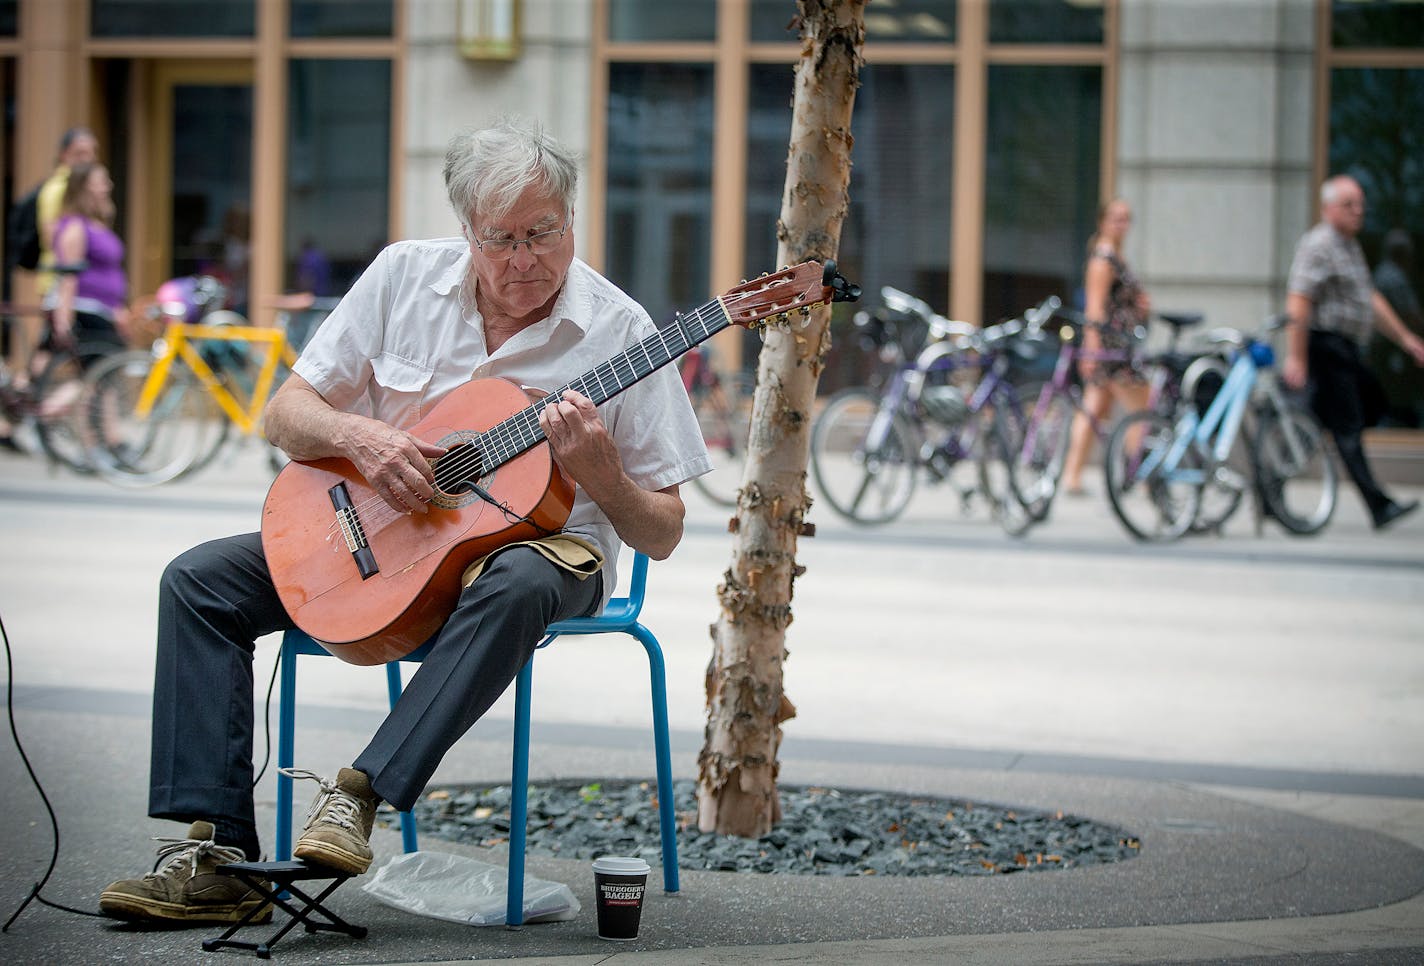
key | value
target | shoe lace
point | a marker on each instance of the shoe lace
(176, 852)
(342, 808)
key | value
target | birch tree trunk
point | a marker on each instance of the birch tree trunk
(736, 790)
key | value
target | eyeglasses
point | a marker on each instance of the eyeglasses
(499, 249)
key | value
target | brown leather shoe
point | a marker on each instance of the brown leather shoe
(338, 831)
(187, 888)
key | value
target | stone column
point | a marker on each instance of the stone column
(1214, 109)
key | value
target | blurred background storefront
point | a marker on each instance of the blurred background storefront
(288, 140)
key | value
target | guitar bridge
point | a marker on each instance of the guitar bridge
(352, 532)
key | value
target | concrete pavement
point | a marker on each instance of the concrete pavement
(1249, 706)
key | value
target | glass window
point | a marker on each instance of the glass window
(659, 197)
(685, 20)
(897, 229)
(342, 18)
(9, 17)
(1377, 23)
(212, 183)
(172, 18)
(1046, 22)
(1044, 126)
(886, 21)
(338, 171)
(1375, 137)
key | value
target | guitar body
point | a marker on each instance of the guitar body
(412, 563)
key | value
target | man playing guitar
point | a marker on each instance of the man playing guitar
(508, 301)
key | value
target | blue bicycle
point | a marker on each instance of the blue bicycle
(1161, 468)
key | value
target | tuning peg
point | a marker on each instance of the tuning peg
(843, 290)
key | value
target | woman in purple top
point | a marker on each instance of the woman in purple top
(91, 305)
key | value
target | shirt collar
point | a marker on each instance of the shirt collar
(572, 305)
(453, 276)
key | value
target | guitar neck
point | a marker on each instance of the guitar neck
(521, 432)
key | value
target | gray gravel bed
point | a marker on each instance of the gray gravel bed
(823, 831)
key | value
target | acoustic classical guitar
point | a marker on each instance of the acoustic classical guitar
(372, 583)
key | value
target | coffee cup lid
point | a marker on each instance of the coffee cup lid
(620, 865)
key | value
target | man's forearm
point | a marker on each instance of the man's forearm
(649, 521)
(302, 424)
(1298, 310)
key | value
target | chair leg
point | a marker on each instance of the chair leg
(407, 819)
(286, 741)
(667, 814)
(519, 797)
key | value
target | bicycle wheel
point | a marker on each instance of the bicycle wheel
(999, 443)
(724, 410)
(1294, 471)
(60, 425)
(1222, 492)
(1038, 462)
(863, 460)
(180, 434)
(1152, 503)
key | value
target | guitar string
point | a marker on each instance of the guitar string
(504, 443)
(509, 444)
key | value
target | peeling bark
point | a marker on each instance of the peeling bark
(746, 703)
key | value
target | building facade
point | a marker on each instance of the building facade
(271, 136)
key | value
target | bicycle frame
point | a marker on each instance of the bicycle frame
(1214, 432)
(908, 383)
(179, 342)
(1061, 384)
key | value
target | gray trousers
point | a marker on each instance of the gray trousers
(217, 599)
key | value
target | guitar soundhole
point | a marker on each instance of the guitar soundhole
(455, 470)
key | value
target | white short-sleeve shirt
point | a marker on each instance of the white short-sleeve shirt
(404, 337)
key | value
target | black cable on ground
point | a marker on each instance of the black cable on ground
(54, 822)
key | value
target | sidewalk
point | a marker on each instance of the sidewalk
(1245, 789)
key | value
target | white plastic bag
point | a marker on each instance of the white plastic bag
(460, 889)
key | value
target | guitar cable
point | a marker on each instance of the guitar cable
(36, 891)
(509, 512)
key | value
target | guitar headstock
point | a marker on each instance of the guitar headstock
(774, 297)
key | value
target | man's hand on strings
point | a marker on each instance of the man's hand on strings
(396, 465)
(581, 443)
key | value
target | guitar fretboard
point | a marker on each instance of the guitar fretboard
(521, 432)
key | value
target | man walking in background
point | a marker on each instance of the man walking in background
(1333, 304)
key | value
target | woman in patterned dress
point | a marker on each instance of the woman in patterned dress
(1114, 305)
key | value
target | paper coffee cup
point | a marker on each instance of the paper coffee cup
(619, 884)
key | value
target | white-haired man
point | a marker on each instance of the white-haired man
(1333, 307)
(508, 299)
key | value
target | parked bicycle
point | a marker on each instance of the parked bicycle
(1037, 462)
(723, 404)
(1158, 466)
(869, 448)
(162, 414)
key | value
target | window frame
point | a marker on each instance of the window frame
(732, 52)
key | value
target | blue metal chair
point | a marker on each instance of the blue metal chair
(619, 617)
